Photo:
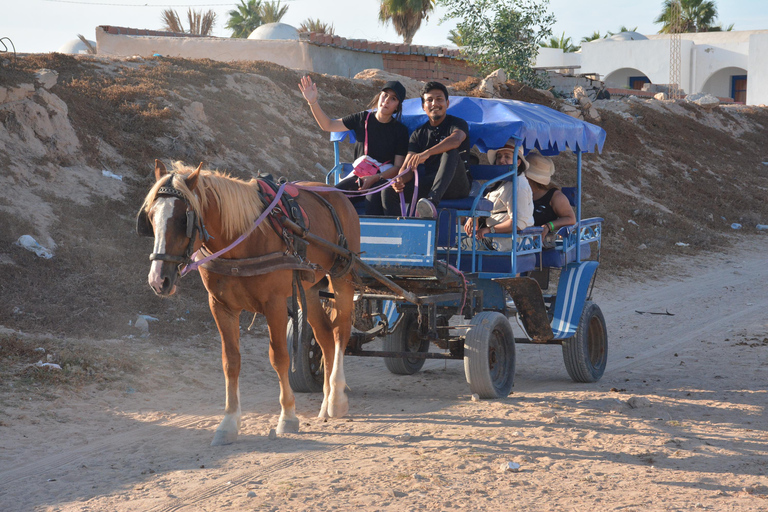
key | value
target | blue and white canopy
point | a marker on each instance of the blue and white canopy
(492, 122)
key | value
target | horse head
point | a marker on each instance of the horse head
(169, 217)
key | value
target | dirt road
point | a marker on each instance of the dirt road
(697, 438)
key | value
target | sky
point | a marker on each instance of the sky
(40, 26)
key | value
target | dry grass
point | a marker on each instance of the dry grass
(80, 362)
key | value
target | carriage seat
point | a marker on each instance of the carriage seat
(494, 262)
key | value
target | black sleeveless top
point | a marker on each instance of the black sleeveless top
(542, 210)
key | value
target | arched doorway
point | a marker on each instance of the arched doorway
(730, 82)
(627, 77)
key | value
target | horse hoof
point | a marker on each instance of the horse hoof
(338, 410)
(223, 437)
(288, 426)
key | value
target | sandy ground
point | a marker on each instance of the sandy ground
(698, 438)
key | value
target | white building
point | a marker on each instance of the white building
(724, 64)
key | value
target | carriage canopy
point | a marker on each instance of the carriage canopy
(494, 121)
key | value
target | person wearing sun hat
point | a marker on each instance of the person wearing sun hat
(551, 209)
(379, 135)
(500, 193)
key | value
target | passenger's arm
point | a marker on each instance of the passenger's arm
(452, 141)
(564, 211)
(309, 91)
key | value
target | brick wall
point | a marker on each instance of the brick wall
(427, 67)
(414, 61)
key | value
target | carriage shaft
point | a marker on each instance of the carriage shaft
(357, 262)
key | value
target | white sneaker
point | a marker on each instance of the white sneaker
(425, 209)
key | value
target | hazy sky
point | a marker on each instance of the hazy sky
(45, 25)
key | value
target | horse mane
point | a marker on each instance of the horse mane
(238, 201)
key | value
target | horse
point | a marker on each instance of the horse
(188, 210)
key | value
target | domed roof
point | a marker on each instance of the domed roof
(627, 36)
(75, 46)
(274, 31)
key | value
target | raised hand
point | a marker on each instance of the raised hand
(308, 89)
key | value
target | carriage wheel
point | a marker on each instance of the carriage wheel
(489, 355)
(308, 377)
(405, 338)
(586, 353)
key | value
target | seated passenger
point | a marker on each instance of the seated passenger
(378, 134)
(551, 209)
(500, 193)
(440, 144)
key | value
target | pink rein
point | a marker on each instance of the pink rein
(356, 193)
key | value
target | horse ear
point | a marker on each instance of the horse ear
(160, 170)
(191, 180)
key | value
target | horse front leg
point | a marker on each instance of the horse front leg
(335, 403)
(228, 322)
(277, 321)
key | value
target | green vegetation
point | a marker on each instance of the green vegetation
(502, 34)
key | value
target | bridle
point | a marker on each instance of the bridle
(195, 227)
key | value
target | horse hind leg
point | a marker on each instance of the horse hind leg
(335, 403)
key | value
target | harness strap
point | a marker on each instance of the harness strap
(341, 266)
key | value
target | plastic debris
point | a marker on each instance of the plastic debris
(475, 397)
(761, 227)
(110, 174)
(735, 225)
(682, 244)
(53, 366)
(403, 437)
(31, 244)
(514, 467)
(633, 222)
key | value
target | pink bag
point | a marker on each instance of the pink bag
(365, 165)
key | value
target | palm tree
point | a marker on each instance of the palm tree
(310, 25)
(405, 15)
(561, 42)
(271, 12)
(245, 19)
(695, 16)
(594, 37)
(457, 36)
(621, 29)
(200, 22)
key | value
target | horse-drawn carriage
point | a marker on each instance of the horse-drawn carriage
(401, 279)
(439, 273)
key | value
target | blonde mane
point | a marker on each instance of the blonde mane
(238, 201)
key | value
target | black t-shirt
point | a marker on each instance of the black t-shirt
(427, 136)
(385, 140)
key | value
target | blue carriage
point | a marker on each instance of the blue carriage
(421, 274)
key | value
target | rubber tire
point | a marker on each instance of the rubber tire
(405, 339)
(308, 377)
(489, 355)
(586, 353)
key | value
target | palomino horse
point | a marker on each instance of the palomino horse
(186, 203)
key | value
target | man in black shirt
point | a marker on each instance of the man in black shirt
(440, 144)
